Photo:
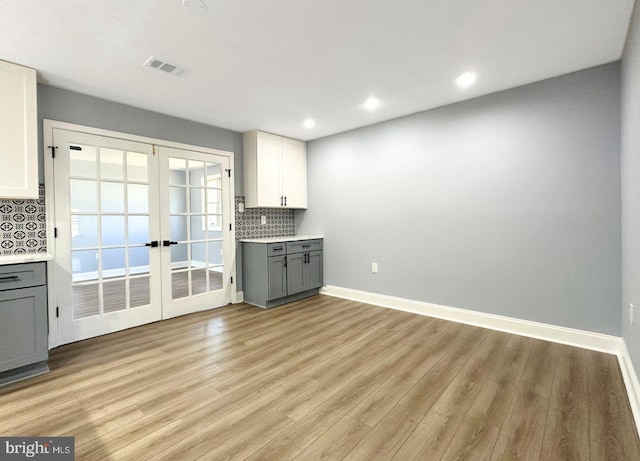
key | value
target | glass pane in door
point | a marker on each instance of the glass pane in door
(195, 219)
(109, 196)
(137, 167)
(82, 161)
(85, 300)
(84, 231)
(114, 293)
(111, 164)
(139, 274)
(84, 195)
(113, 230)
(139, 289)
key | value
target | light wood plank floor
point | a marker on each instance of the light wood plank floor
(325, 378)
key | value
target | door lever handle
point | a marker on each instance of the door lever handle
(166, 243)
(152, 244)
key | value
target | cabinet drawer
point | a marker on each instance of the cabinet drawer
(22, 275)
(301, 246)
(277, 249)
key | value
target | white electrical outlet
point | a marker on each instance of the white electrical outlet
(374, 268)
(263, 220)
(630, 313)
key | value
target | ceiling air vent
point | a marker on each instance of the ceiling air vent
(165, 66)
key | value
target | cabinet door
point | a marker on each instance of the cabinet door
(295, 273)
(313, 270)
(23, 327)
(277, 277)
(18, 132)
(294, 173)
(269, 187)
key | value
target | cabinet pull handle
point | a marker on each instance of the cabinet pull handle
(285, 261)
(306, 246)
(277, 249)
(152, 244)
(9, 278)
(282, 200)
(285, 200)
(166, 243)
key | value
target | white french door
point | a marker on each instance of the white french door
(140, 234)
(106, 212)
(194, 191)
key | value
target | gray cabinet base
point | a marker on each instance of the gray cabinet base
(28, 371)
(286, 299)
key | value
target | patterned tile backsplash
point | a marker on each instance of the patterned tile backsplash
(280, 222)
(23, 225)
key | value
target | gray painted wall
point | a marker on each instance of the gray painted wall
(507, 204)
(631, 188)
(68, 106)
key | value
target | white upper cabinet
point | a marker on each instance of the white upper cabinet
(18, 132)
(275, 171)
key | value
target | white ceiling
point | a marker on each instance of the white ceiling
(269, 64)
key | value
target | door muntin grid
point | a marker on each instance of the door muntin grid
(109, 225)
(196, 227)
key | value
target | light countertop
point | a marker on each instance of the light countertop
(24, 258)
(286, 238)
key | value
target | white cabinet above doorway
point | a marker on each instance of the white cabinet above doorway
(275, 171)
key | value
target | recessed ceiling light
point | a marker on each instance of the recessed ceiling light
(371, 103)
(309, 123)
(466, 80)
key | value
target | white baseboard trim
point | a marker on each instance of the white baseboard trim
(631, 382)
(572, 337)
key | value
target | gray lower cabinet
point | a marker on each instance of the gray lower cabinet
(278, 273)
(23, 321)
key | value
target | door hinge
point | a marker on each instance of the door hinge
(228, 170)
(55, 232)
(231, 279)
(57, 312)
(53, 151)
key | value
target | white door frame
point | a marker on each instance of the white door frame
(48, 127)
